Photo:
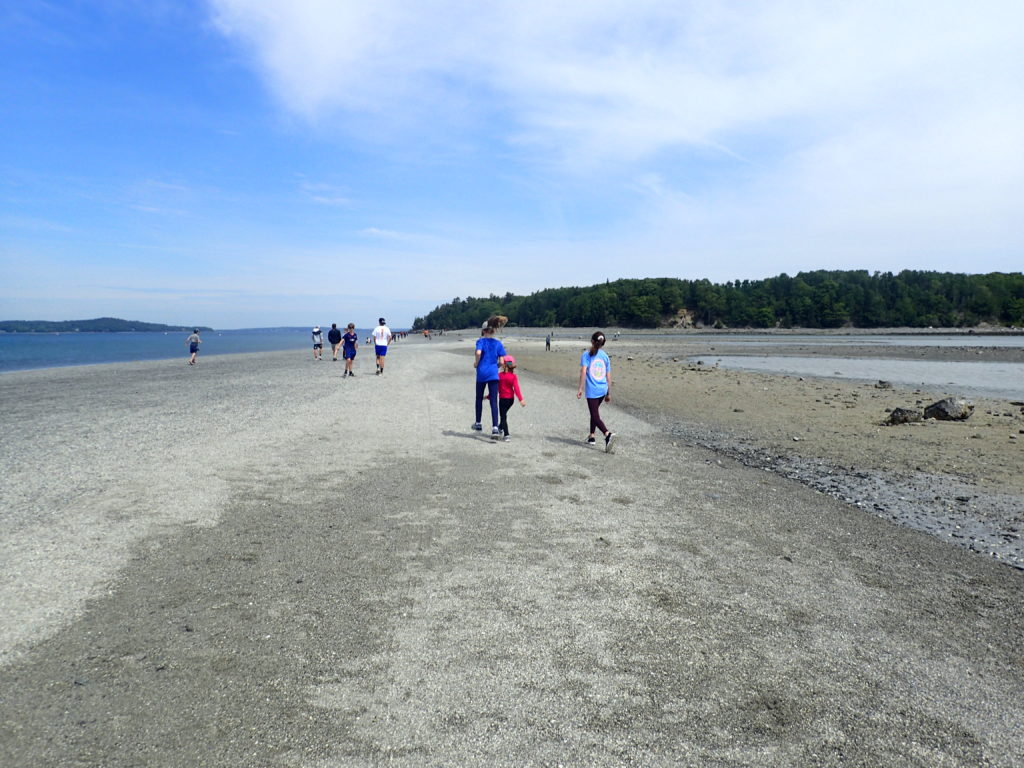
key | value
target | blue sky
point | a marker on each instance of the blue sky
(240, 163)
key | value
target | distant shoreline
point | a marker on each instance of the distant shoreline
(980, 330)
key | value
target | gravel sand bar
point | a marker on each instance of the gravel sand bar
(254, 562)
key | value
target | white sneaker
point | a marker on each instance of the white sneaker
(609, 442)
(495, 433)
(477, 426)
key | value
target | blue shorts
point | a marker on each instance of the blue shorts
(381, 351)
(193, 347)
(349, 354)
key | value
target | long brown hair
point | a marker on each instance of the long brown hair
(596, 342)
(494, 322)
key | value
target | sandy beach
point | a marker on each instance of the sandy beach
(254, 562)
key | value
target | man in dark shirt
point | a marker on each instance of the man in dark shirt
(334, 336)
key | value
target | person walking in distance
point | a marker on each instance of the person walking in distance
(350, 342)
(382, 337)
(596, 382)
(193, 342)
(318, 343)
(334, 337)
(490, 353)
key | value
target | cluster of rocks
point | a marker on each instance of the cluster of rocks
(947, 409)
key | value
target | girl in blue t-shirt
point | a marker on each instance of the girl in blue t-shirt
(596, 381)
(489, 354)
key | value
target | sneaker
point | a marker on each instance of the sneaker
(477, 426)
(591, 440)
(495, 433)
(507, 439)
(609, 442)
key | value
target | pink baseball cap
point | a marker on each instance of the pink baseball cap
(509, 360)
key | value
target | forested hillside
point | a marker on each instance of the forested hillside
(821, 299)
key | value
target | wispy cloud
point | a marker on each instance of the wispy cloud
(384, 234)
(802, 123)
(326, 194)
(634, 78)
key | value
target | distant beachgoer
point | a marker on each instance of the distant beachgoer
(334, 337)
(318, 343)
(547, 343)
(508, 390)
(596, 380)
(351, 344)
(193, 342)
(489, 354)
(382, 337)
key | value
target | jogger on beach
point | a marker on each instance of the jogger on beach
(193, 342)
(489, 354)
(318, 343)
(596, 380)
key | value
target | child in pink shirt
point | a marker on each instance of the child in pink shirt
(508, 390)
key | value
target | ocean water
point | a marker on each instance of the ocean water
(974, 379)
(27, 351)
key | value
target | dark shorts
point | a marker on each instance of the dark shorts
(381, 350)
(318, 346)
(193, 347)
(349, 354)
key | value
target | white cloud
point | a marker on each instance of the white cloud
(627, 77)
(754, 137)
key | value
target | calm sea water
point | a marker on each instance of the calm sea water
(980, 379)
(26, 351)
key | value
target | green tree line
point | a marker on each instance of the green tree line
(98, 325)
(820, 299)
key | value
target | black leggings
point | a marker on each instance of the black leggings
(594, 404)
(503, 405)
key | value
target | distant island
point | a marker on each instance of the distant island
(99, 325)
(820, 299)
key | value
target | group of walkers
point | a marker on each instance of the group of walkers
(348, 344)
(495, 374)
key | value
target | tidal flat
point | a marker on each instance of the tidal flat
(962, 481)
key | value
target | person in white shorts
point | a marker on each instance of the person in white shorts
(381, 339)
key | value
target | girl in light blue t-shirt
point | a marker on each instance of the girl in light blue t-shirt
(596, 382)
